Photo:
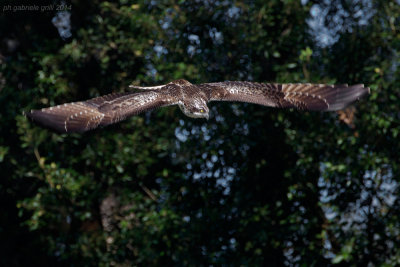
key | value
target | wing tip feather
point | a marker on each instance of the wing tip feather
(52, 122)
(349, 95)
(41, 118)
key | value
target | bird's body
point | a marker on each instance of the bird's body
(192, 100)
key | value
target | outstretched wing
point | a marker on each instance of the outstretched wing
(319, 97)
(99, 111)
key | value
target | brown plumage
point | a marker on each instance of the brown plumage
(193, 99)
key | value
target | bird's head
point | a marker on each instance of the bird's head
(195, 109)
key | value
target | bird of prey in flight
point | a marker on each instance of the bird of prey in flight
(192, 100)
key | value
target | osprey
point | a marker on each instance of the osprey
(192, 100)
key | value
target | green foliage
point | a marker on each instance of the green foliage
(251, 186)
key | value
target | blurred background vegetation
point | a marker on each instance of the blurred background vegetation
(251, 186)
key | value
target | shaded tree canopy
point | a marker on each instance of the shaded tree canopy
(251, 186)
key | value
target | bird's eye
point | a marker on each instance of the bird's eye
(201, 110)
